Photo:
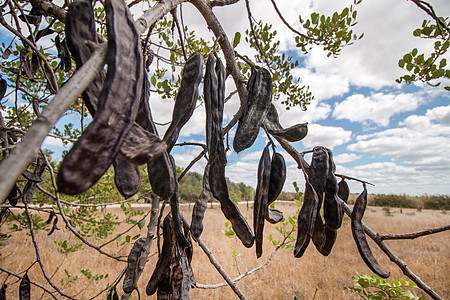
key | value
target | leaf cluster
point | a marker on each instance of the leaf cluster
(331, 32)
(427, 68)
(374, 288)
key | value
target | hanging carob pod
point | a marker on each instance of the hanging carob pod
(176, 215)
(292, 134)
(127, 176)
(140, 145)
(277, 179)
(217, 155)
(344, 190)
(29, 188)
(198, 212)
(173, 276)
(332, 208)
(261, 199)
(186, 98)
(360, 237)
(25, 288)
(317, 175)
(134, 259)
(94, 152)
(306, 219)
(3, 291)
(258, 103)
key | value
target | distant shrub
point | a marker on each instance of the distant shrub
(441, 202)
(393, 201)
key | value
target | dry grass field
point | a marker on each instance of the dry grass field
(313, 274)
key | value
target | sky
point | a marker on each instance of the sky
(396, 137)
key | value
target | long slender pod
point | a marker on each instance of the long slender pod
(261, 199)
(360, 237)
(96, 149)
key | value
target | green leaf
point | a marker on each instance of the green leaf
(443, 63)
(237, 39)
(414, 52)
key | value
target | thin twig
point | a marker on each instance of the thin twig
(414, 235)
(216, 264)
(32, 282)
(38, 256)
(193, 162)
(67, 222)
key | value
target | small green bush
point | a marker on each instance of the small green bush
(393, 201)
(437, 202)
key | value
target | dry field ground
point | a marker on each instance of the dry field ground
(428, 257)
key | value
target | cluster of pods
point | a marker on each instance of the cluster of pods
(123, 134)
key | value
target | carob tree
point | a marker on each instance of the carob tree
(123, 135)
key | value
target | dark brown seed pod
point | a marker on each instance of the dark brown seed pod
(161, 274)
(318, 177)
(3, 87)
(3, 292)
(25, 288)
(344, 191)
(162, 177)
(33, 17)
(292, 134)
(29, 188)
(306, 219)
(112, 294)
(360, 237)
(318, 235)
(186, 98)
(31, 177)
(176, 215)
(274, 215)
(141, 144)
(14, 195)
(130, 280)
(127, 177)
(258, 103)
(198, 212)
(261, 199)
(50, 217)
(332, 208)
(26, 63)
(94, 152)
(217, 155)
(54, 227)
(330, 239)
(277, 179)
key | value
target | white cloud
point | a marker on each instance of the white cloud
(440, 114)
(326, 136)
(377, 108)
(346, 158)
(51, 141)
(418, 143)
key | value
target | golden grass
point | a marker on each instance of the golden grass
(427, 256)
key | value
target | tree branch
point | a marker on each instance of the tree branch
(393, 257)
(414, 235)
(50, 9)
(216, 264)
